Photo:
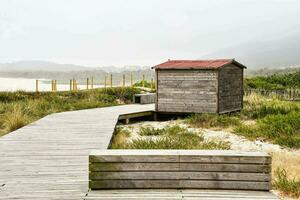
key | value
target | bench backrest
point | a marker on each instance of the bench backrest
(198, 169)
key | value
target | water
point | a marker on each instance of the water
(14, 84)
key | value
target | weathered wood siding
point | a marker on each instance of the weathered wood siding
(187, 91)
(124, 169)
(230, 89)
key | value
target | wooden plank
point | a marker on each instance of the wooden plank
(178, 194)
(176, 158)
(48, 159)
(133, 167)
(134, 115)
(179, 152)
(193, 167)
(181, 176)
(156, 184)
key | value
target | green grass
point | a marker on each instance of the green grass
(120, 139)
(140, 84)
(289, 187)
(212, 120)
(150, 131)
(274, 120)
(277, 121)
(257, 106)
(171, 137)
(20, 108)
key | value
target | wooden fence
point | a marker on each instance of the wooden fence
(92, 83)
(289, 94)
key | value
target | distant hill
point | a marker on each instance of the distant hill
(65, 72)
(270, 71)
(40, 66)
(274, 53)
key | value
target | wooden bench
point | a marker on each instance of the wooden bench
(197, 169)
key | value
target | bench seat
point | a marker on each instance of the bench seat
(179, 169)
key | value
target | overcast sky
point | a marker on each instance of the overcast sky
(137, 32)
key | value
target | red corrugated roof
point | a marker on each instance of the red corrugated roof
(197, 64)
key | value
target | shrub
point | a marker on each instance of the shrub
(140, 84)
(124, 94)
(275, 81)
(290, 187)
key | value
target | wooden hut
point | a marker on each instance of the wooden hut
(199, 86)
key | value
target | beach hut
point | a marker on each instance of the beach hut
(199, 86)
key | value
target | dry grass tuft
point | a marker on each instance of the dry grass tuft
(286, 173)
(14, 119)
(120, 139)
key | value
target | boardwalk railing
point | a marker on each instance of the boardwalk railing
(199, 169)
(288, 94)
(92, 82)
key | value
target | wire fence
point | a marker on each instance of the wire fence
(288, 94)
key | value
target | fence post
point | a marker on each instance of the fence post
(123, 80)
(87, 83)
(111, 83)
(92, 83)
(143, 81)
(55, 85)
(71, 85)
(75, 85)
(131, 79)
(74, 82)
(151, 83)
(52, 87)
(105, 81)
(37, 85)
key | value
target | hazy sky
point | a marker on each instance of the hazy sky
(127, 32)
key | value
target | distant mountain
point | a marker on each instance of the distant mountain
(113, 69)
(50, 70)
(40, 66)
(271, 71)
(272, 53)
(51, 66)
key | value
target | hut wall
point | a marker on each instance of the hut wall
(187, 91)
(230, 89)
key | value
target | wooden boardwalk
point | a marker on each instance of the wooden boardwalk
(48, 159)
(173, 194)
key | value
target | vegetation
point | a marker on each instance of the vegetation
(273, 120)
(212, 120)
(290, 187)
(171, 137)
(146, 84)
(147, 131)
(20, 108)
(274, 82)
(276, 121)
